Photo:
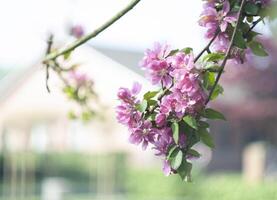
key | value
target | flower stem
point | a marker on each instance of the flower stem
(227, 52)
(207, 47)
(85, 38)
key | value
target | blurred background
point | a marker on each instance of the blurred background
(46, 156)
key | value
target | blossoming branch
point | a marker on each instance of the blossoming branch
(173, 118)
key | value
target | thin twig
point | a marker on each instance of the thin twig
(227, 52)
(48, 50)
(207, 47)
(253, 26)
(84, 39)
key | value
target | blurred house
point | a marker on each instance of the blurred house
(29, 111)
(33, 121)
(250, 106)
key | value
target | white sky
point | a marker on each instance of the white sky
(26, 23)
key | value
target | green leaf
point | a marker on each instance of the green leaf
(257, 48)
(187, 50)
(67, 55)
(173, 52)
(86, 116)
(208, 80)
(185, 170)
(142, 106)
(249, 19)
(235, 5)
(70, 92)
(251, 35)
(213, 114)
(251, 8)
(150, 94)
(190, 121)
(212, 67)
(192, 135)
(218, 90)
(152, 116)
(194, 153)
(212, 57)
(206, 138)
(175, 131)
(176, 159)
(170, 152)
(203, 124)
(152, 102)
(239, 40)
(71, 115)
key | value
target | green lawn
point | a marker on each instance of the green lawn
(152, 185)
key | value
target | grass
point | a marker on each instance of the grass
(152, 185)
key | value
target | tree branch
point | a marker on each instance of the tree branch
(253, 25)
(207, 47)
(48, 50)
(227, 52)
(84, 39)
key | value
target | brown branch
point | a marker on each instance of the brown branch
(222, 66)
(207, 47)
(253, 26)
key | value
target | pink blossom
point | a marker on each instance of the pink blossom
(163, 141)
(78, 77)
(144, 133)
(221, 43)
(126, 112)
(166, 168)
(156, 66)
(212, 19)
(77, 31)
(160, 119)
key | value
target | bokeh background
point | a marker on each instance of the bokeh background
(45, 155)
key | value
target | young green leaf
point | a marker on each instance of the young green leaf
(67, 55)
(218, 90)
(239, 40)
(212, 57)
(142, 106)
(203, 124)
(171, 150)
(213, 114)
(187, 50)
(208, 80)
(173, 52)
(211, 67)
(257, 48)
(251, 8)
(185, 171)
(175, 131)
(176, 159)
(152, 102)
(194, 153)
(150, 94)
(251, 35)
(190, 121)
(206, 138)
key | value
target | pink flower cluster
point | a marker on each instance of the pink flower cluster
(78, 78)
(181, 94)
(217, 20)
(216, 17)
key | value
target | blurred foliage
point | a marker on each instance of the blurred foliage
(136, 184)
(79, 170)
(151, 184)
